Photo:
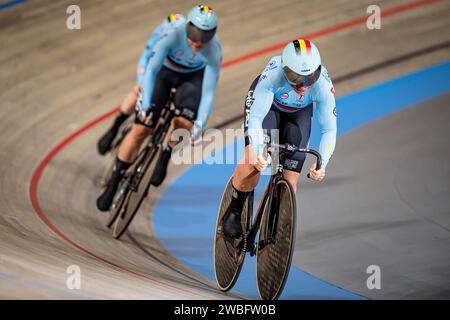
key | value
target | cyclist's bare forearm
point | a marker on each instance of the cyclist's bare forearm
(246, 177)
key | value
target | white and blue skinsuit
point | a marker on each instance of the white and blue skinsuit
(168, 47)
(274, 91)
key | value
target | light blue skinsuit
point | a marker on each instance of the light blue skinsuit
(273, 88)
(168, 47)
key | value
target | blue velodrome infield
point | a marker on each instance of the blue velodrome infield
(184, 217)
(8, 4)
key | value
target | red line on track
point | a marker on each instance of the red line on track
(329, 30)
(35, 202)
(37, 174)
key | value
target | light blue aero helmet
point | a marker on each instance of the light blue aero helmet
(201, 23)
(301, 62)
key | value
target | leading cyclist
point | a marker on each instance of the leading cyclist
(188, 58)
(282, 98)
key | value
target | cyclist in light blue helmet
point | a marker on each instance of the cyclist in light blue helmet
(126, 109)
(284, 97)
(202, 24)
(186, 57)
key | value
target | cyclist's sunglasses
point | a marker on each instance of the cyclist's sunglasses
(196, 34)
(298, 80)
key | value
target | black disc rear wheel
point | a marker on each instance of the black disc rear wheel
(276, 241)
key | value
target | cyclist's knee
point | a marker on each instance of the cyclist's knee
(139, 132)
(245, 178)
(249, 157)
(182, 123)
(292, 177)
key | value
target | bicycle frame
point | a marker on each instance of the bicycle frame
(164, 123)
(254, 224)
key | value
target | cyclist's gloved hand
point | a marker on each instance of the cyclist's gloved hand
(261, 163)
(144, 116)
(196, 132)
(317, 175)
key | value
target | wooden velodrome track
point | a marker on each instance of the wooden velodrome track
(53, 81)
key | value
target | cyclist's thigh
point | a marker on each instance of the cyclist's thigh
(271, 124)
(161, 91)
(296, 130)
(189, 94)
(139, 131)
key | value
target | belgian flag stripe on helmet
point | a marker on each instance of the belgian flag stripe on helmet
(302, 46)
(172, 17)
(205, 8)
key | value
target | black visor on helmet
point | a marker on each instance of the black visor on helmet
(196, 34)
(299, 80)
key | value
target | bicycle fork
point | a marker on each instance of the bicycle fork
(272, 220)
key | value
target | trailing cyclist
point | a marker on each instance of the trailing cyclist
(186, 57)
(128, 105)
(282, 98)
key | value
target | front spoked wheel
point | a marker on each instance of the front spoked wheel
(229, 254)
(135, 197)
(276, 241)
(107, 172)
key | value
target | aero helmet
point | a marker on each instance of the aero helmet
(201, 23)
(301, 63)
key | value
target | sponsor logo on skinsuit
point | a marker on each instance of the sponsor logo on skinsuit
(284, 95)
(290, 164)
(248, 104)
(272, 65)
(262, 78)
(249, 100)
